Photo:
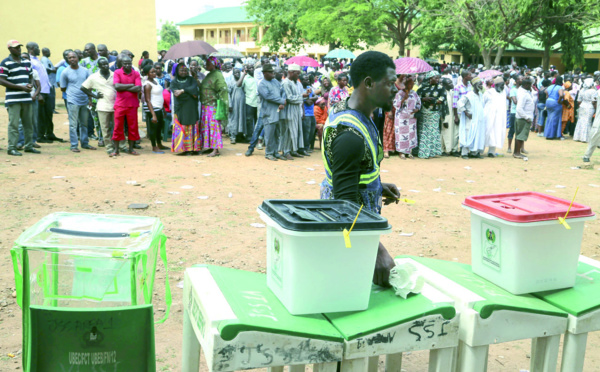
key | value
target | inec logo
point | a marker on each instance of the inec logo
(491, 236)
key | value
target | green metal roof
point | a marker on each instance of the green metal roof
(234, 14)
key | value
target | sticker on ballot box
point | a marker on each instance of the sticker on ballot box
(277, 259)
(490, 246)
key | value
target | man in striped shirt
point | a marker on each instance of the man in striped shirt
(15, 75)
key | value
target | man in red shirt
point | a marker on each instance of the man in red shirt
(128, 84)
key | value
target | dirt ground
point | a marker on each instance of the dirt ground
(217, 230)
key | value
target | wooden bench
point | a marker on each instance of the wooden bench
(491, 315)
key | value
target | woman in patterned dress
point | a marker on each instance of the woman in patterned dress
(389, 127)
(406, 104)
(433, 98)
(339, 93)
(588, 97)
(213, 89)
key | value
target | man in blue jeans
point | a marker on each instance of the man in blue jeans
(513, 110)
(309, 124)
(77, 101)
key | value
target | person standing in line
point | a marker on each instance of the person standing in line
(406, 103)
(70, 82)
(449, 127)
(525, 114)
(187, 137)
(513, 110)
(588, 97)
(15, 76)
(292, 137)
(128, 85)
(153, 94)
(495, 116)
(541, 106)
(554, 106)
(212, 90)
(272, 102)
(51, 70)
(237, 107)
(91, 63)
(249, 84)
(45, 109)
(472, 121)
(100, 85)
(309, 123)
(35, 96)
(433, 102)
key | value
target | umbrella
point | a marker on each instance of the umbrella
(340, 53)
(228, 53)
(302, 61)
(410, 65)
(489, 74)
(189, 49)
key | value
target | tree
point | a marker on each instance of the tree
(438, 35)
(400, 18)
(169, 36)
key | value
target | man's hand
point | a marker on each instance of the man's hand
(27, 88)
(468, 114)
(177, 92)
(154, 119)
(390, 193)
(456, 120)
(383, 264)
(445, 125)
(100, 95)
(281, 107)
(231, 109)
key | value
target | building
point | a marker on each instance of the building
(231, 28)
(60, 25)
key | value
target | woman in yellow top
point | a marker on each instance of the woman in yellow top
(568, 113)
(213, 89)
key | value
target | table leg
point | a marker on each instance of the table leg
(325, 367)
(544, 354)
(373, 363)
(191, 346)
(297, 368)
(472, 358)
(355, 365)
(275, 369)
(441, 359)
(573, 352)
(393, 362)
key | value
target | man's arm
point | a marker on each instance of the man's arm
(241, 80)
(268, 95)
(38, 89)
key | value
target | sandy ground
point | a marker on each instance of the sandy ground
(218, 231)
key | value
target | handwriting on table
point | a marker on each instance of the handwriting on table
(259, 307)
(260, 355)
(61, 325)
(424, 330)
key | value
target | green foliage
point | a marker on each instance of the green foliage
(279, 18)
(572, 46)
(169, 36)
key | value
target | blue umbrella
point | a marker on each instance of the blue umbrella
(340, 53)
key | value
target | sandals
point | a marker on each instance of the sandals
(386, 154)
(133, 152)
(213, 154)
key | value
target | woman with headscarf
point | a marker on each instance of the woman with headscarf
(389, 124)
(325, 87)
(339, 93)
(213, 89)
(554, 107)
(568, 112)
(406, 104)
(187, 138)
(433, 99)
(587, 97)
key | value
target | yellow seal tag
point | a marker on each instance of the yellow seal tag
(346, 233)
(408, 201)
(563, 220)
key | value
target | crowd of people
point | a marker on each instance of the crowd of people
(194, 103)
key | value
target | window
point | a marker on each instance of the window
(198, 34)
(212, 34)
(239, 33)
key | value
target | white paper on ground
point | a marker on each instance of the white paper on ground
(440, 179)
(550, 190)
(591, 184)
(310, 169)
(414, 191)
(438, 189)
(238, 154)
(451, 193)
(406, 234)
(230, 195)
(470, 181)
(203, 197)
(258, 225)
(311, 182)
(384, 171)
(159, 202)
(575, 167)
(468, 168)
(405, 279)
(180, 284)
(173, 192)
(187, 187)
(560, 187)
(131, 182)
(58, 177)
(206, 174)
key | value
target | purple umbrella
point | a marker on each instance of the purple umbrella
(410, 65)
(489, 74)
(189, 49)
(302, 61)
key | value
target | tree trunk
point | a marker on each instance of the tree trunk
(401, 46)
(487, 57)
(333, 45)
(546, 57)
(499, 56)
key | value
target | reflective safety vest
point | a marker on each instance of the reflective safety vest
(370, 184)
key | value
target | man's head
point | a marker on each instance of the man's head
(79, 53)
(304, 80)
(158, 66)
(526, 83)
(194, 66)
(103, 50)
(499, 84)
(227, 67)
(466, 76)
(127, 53)
(162, 53)
(25, 56)
(447, 84)
(126, 63)
(268, 72)
(90, 50)
(293, 72)
(66, 54)
(237, 73)
(103, 65)
(553, 74)
(278, 74)
(546, 83)
(114, 53)
(145, 54)
(46, 52)
(73, 59)
(342, 80)
(14, 47)
(477, 84)
(518, 80)
(373, 75)
(250, 69)
(264, 61)
(33, 48)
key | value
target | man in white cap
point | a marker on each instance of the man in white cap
(495, 116)
(472, 129)
(292, 136)
(16, 75)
